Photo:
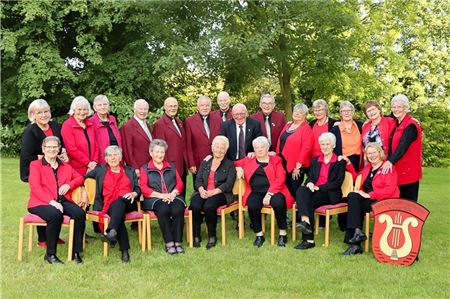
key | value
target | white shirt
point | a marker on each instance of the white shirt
(144, 127)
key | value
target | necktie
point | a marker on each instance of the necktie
(224, 116)
(269, 135)
(205, 125)
(241, 143)
(176, 126)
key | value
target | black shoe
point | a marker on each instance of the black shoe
(76, 257)
(282, 241)
(352, 250)
(52, 259)
(259, 241)
(197, 241)
(304, 227)
(110, 237)
(357, 238)
(125, 256)
(211, 243)
(305, 245)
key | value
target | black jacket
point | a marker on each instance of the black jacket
(228, 129)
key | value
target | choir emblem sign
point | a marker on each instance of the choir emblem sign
(397, 231)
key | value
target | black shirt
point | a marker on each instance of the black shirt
(259, 181)
(112, 138)
(367, 185)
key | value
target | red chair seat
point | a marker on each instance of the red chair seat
(128, 216)
(322, 209)
(32, 218)
(219, 209)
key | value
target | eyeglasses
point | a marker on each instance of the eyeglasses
(267, 104)
(346, 111)
(51, 147)
(318, 110)
(239, 114)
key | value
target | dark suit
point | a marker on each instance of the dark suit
(135, 144)
(252, 130)
(277, 123)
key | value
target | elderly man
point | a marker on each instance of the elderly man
(224, 111)
(170, 129)
(201, 128)
(240, 131)
(272, 122)
(136, 137)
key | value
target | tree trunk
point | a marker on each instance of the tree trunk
(284, 76)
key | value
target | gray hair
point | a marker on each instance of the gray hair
(346, 104)
(221, 138)
(203, 98)
(302, 107)
(327, 136)
(402, 99)
(267, 96)
(36, 104)
(138, 102)
(50, 139)
(158, 142)
(261, 140)
(99, 98)
(320, 103)
(80, 101)
(113, 149)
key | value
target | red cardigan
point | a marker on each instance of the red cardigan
(275, 174)
(384, 185)
(43, 187)
(77, 145)
(102, 135)
(385, 127)
(298, 146)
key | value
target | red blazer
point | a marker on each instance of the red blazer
(218, 113)
(277, 123)
(176, 153)
(198, 145)
(298, 146)
(43, 187)
(135, 144)
(385, 127)
(80, 154)
(102, 135)
(275, 174)
(384, 185)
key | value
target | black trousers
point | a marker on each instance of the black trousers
(183, 178)
(307, 201)
(355, 160)
(358, 206)
(255, 204)
(116, 212)
(170, 219)
(292, 184)
(410, 191)
(209, 207)
(54, 219)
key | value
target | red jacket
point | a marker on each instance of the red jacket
(102, 135)
(80, 154)
(385, 127)
(198, 145)
(176, 153)
(298, 146)
(43, 187)
(409, 167)
(275, 174)
(384, 185)
(277, 123)
(135, 143)
(218, 113)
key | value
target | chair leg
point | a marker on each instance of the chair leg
(327, 228)
(105, 244)
(241, 223)
(263, 222)
(30, 237)
(70, 245)
(20, 246)
(294, 223)
(142, 223)
(139, 232)
(272, 227)
(222, 224)
(190, 230)
(149, 233)
(316, 224)
(367, 225)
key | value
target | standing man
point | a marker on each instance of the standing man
(272, 122)
(170, 129)
(224, 111)
(240, 131)
(201, 128)
(136, 137)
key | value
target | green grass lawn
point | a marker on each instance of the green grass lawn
(237, 270)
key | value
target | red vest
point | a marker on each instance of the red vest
(409, 167)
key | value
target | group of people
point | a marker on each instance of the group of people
(271, 154)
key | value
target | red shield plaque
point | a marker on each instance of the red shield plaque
(397, 231)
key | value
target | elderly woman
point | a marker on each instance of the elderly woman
(294, 147)
(78, 133)
(374, 186)
(161, 186)
(51, 183)
(405, 149)
(348, 135)
(214, 186)
(105, 126)
(41, 126)
(117, 190)
(377, 128)
(264, 176)
(320, 124)
(323, 187)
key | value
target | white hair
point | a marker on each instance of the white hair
(36, 104)
(261, 140)
(80, 101)
(346, 104)
(267, 96)
(99, 98)
(221, 139)
(302, 107)
(113, 149)
(327, 136)
(320, 103)
(200, 98)
(402, 99)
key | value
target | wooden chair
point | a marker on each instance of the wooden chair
(367, 217)
(222, 211)
(94, 216)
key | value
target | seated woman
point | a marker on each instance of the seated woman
(51, 183)
(214, 186)
(161, 186)
(323, 187)
(264, 176)
(117, 190)
(374, 186)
